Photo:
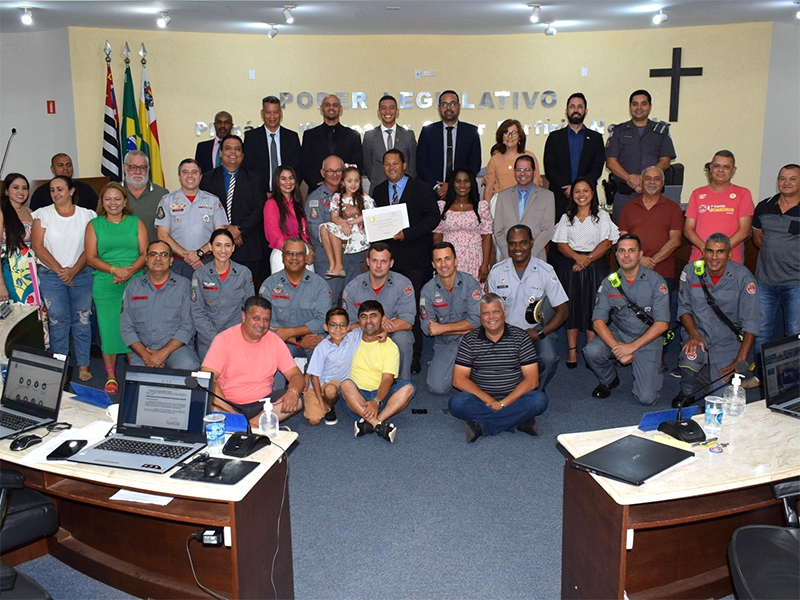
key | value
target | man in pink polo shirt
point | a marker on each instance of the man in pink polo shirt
(719, 207)
(244, 359)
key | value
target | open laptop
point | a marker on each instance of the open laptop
(780, 364)
(631, 459)
(32, 390)
(160, 421)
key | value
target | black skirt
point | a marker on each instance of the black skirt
(581, 287)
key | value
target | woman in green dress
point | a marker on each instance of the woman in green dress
(116, 242)
(18, 283)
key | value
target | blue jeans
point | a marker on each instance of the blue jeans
(69, 308)
(771, 298)
(469, 407)
(370, 395)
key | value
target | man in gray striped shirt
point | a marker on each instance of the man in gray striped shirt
(497, 372)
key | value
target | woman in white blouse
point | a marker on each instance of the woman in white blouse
(584, 236)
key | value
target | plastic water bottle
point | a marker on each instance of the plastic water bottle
(735, 398)
(268, 421)
(714, 411)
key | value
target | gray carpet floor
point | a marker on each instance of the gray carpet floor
(428, 516)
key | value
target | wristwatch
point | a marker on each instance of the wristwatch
(542, 334)
(200, 253)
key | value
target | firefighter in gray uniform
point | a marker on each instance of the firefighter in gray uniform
(396, 295)
(156, 322)
(448, 308)
(718, 308)
(216, 304)
(636, 300)
(186, 225)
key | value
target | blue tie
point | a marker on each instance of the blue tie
(523, 199)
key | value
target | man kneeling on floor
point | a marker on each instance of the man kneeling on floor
(497, 372)
(244, 360)
(370, 394)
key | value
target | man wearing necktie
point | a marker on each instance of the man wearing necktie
(267, 147)
(528, 204)
(329, 138)
(411, 247)
(386, 136)
(447, 144)
(239, 189)
(208, 154)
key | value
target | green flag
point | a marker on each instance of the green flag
(131, 134)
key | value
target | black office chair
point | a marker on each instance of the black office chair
(25, 517)
(765, 559)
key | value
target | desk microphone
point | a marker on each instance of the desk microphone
(689, 430)
(5, 154)
(240, 444)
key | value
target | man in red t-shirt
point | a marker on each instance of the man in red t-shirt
(719, 207)
(244, 359)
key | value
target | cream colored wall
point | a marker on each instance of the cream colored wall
(194, 75)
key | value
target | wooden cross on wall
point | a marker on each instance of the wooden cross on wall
(675, 73)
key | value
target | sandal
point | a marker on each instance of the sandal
(572, 365)
(84, 374)
(330, 274)
(111, 387)
(339, 274)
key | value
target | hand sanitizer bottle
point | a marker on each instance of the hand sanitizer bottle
(268, 421)
(735, 398)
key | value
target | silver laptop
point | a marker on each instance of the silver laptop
(32, 390)
(160, 421)
(780, 365)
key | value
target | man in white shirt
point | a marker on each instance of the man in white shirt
(386, 136)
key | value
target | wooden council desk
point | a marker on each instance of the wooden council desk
(141, 548)
(669, 537)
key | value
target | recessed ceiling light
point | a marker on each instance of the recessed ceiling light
(392, 8)
(27, 16)
(535, 12)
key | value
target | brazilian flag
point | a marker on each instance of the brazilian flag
(131, 134)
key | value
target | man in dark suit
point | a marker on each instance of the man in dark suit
(331, 137)
(411, 247)
(447, 144)
(571, 152)
(246, 212)
(61, 165)
(384, 137)
(208, 153)
(268, 147)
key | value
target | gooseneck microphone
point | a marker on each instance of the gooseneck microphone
(5, 154)
(689, 430)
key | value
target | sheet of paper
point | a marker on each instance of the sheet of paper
(383, 222)
(142, 498)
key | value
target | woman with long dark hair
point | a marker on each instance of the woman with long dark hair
(511, 140)
(285, 217)
(18, 283)
(584, 236)
(467, 224)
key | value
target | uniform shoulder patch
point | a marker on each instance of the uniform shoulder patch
(160, 214)
(476, 294)
(751, 288)
(663, 288)
(408, 291)
(194, 294)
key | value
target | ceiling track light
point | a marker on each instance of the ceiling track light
(660, 18)
(550, 30)
(27, 16)
(163, 20)
(273, 31)
(798, 11)
(536, 12)
(287, 13)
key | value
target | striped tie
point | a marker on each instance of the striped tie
(229, 199)
(394, 195)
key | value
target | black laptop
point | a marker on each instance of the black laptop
(32, 390)
(160, 421)
(780, 366)
(631, 459)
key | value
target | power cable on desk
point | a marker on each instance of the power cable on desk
(280, 515)
(194, 574)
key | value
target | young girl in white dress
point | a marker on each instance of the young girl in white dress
(344, 234)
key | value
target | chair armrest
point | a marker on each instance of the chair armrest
(786, 489)
(12, 480)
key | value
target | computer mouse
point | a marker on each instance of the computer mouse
(213, 467)
(25, 441)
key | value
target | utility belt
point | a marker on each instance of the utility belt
(640, 313)
(622, 187)
(700, 271)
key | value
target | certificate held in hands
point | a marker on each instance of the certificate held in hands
(384, 222)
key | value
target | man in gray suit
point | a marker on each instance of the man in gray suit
(386, 136)
(528, 204)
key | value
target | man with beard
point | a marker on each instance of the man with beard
(330, 137)
(144, 194)
(631, 312)
(447, 144)
(571, 152)
(634, 145)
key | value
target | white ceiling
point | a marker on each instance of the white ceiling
(358, 17)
